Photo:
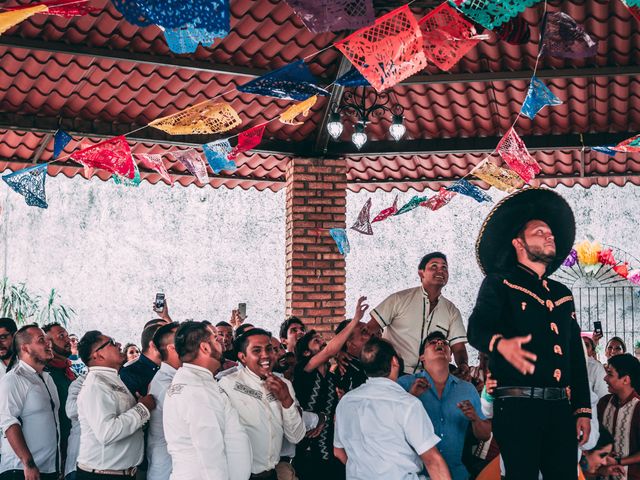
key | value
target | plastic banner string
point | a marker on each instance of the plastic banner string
(247, 140)
(353, 78)
(492, 13)
(629, 145)
(563, 37)
(321, 16)
(186, 39)
(447, 35)
(501, 178)
(217, 154)
(133, 182)
(193, 161)
(439, 200)
(411, 204)
(14, 17)
(387, 52)
(154, 162)
(339, 235)
(212, 15)
(29, 182)
(515, 154)
(363, 223)
(60, 140)
(606, 149)
(387, 212)
(303, 108)
(538, 97)
(112, 155)
(464, 187)
(204, 118)
(292, 82)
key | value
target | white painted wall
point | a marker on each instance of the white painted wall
(108, 249)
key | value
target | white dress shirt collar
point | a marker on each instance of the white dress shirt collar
(198, 370)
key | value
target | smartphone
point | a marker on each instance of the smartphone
(242, 310)
(158, 304)
(597, 327)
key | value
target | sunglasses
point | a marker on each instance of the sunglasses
(111, 342)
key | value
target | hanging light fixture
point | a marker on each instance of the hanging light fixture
(364, 106)
(335, 126)
(359, 137)
(397, 128)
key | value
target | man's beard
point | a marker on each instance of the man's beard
(7, 355)
(60, 351)
(537, 255)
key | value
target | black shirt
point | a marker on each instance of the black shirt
(353, 377)
(520, 303)
(316, 393)
(138, 375)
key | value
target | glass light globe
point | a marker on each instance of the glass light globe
(397, 128)
(359, 138)
(335, 129)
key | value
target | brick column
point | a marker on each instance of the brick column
(316, 198)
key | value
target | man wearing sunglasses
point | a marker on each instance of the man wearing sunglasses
(111, 419)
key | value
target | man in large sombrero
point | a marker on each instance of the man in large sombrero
(526, 323)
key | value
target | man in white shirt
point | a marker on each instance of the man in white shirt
(73, 445)
(204, 436)
(382, 431)
(265, 402)
(595, 370)
(29, 411)
(111, 420)
(159, 458)
(8, 329)
(408, 316)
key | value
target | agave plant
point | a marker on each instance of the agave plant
(23, 306)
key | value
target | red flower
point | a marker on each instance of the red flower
(622, 270)
(605, 257)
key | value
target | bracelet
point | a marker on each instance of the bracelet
(618, 459)
(493, 344)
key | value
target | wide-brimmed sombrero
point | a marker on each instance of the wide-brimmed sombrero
(494, 250)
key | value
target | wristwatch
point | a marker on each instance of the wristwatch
(618, 459)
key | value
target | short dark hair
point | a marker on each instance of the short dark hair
(284, 327)
(86, 344)
(160, 338)
(189, 336)
(433, 335)
(154, 321)
(22, 337)
(627, 364)
(147, 336)
(128, 345)
(223, 324)
(303, 344)
(430, 256)
(376, 357)
(240, 343)
(605, 438)
(241, 329)
(49, 326)
(8, 324)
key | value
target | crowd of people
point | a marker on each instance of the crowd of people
(387, 397)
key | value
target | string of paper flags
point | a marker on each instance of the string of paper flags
(383, 51)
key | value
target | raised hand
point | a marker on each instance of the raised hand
(361, 307)
(420, 385)
(279, 389)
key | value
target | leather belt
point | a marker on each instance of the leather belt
(536, 393)
(129, 472)
(286, 459)
(266, 474)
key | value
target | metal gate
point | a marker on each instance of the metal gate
(614, 307)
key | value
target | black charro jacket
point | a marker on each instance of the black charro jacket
(520, 303)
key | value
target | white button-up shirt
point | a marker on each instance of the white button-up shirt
(111, 421)
(596, 374)
(407, 319)
(71, 408)
(31, 400)
(159, 458)
(204, 436)
(266, 421)
(383, 430)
